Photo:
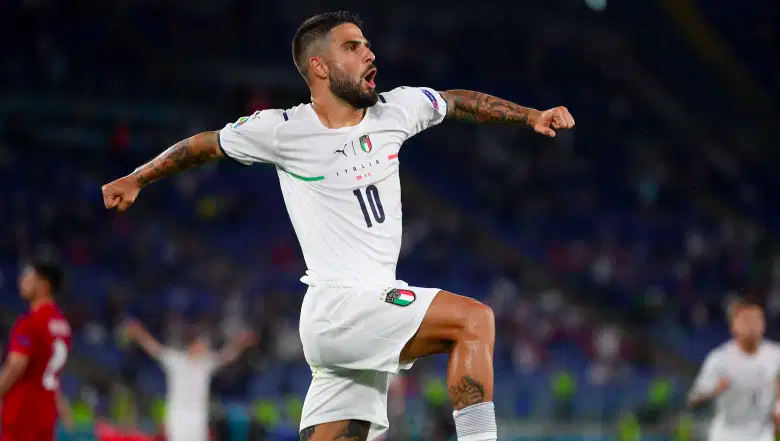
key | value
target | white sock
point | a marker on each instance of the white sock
(476, 422)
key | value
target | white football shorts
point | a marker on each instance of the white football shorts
(352, 339)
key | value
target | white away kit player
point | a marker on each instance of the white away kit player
(741, 376)
(337, 160)
(188, 379)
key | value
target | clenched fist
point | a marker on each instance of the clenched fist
(121, 193)
(556, 118)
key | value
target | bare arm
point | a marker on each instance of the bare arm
(137, 333)
(13, 368)
(478, 107)
(63, 410)
(233, 350)
(698, 399)
(194, 151)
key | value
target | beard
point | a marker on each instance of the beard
(349, 90)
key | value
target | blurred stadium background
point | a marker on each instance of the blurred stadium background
(607, 253)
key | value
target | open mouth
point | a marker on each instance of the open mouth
(369, 77)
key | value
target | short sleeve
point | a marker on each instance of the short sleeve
(707, 380)
(167, 358)
(21, 338)
(252, 139)
(213, 362)
(424, 107)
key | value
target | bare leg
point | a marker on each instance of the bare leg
(464, 328)
(459, 326)
(344, 430)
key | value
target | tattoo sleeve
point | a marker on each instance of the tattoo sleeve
(194, 151)
(478, 107)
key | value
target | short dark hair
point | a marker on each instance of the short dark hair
(314, 29)
(50, 271)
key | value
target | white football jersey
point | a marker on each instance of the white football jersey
(341, 186)
(745, 410)
(188, 383)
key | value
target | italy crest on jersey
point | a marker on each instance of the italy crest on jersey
(400, 297)
(365, 143)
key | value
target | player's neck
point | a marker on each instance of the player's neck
(335, 113)
(39, 302)
(748, 348)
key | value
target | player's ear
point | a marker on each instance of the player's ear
(318, 68)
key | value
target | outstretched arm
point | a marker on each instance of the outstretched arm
(478, 107)
(233, 350)
(194, 151)
(137, 333)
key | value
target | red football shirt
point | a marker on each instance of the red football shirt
(30, 407)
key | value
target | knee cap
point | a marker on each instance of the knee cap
(480, 322)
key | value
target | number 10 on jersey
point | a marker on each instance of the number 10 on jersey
(372, 195)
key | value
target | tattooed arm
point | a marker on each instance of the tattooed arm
(194, 151)
(478, 107)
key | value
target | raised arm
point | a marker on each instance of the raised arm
(137, 333)
(194, 151)
(478, 107)
(233, 350)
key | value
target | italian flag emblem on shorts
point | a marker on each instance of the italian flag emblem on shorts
(365, 143)
(400, 297)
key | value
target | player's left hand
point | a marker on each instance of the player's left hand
(556, 118)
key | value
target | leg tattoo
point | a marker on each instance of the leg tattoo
(356, 430)
(307, 433)
(467, 392)
(353, 430)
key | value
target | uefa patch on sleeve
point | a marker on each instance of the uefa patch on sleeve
(430, 96)
(240, 122)
(22, 341)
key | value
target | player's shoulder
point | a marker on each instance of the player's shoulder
(23, 323)
(51, 319)
(261, 118)
(723, 350)
(22, 319)
(47, 312)
(772, 346)
(403, 95)
(173, 355)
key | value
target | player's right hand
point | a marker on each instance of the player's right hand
(121, 193)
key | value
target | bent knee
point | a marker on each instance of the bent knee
(478, 322)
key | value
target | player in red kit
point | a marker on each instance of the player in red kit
(36, 353)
